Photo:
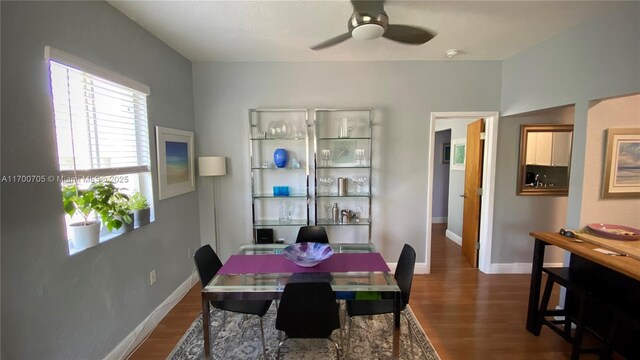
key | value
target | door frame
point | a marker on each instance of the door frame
(488, 182)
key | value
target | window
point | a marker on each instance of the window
(101, 127)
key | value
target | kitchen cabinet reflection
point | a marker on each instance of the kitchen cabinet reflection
(545, 156)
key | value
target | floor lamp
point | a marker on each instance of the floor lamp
(213, 166)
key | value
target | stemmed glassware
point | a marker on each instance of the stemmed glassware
(326, 158)
(361, 184)
(359, 157)
(325, 183)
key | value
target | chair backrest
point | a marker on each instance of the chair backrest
(308, 310)
(207, 263)
(312, 234)
(404, 272)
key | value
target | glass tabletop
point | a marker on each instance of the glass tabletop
(347, 285)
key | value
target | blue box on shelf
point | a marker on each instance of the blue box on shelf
(280, 191)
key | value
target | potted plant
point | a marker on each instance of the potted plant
(111, 205)
(86, 233)
(120, 211)
(101, 199)
(140, 208)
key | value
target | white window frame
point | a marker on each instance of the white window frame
(144, 184)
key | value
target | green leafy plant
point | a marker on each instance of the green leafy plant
(103, 199)
(137, 201)
(80, 201)
(120, 211)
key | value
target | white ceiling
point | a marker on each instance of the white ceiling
(205, 31)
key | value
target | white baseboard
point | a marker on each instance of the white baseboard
(453, 237)
(140, 333)
(420, 268)
(439, 220)
(516, 268)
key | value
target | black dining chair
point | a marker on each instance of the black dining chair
(312, 234)
(208, 264)
(308, 311)
(404, 278)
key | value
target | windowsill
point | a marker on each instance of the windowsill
(105, 237)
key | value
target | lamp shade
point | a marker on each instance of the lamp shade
(212, 166)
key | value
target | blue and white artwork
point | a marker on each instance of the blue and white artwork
(628, 163)
(177, 162)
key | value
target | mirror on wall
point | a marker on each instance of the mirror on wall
(545, 159)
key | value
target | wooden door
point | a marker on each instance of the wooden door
(472, 195)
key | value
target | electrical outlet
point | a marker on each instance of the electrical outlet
(152, 277)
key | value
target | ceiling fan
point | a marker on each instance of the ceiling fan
(369, 21)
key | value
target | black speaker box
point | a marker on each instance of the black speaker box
(264, 236)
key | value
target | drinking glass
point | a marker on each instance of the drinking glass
(326, 158)
(361, 184)
(359, 157)
(325, 183)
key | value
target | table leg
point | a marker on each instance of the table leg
(534, 289)
(396, 326)
(206, 326)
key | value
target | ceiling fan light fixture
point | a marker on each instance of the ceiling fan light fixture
(367, 32)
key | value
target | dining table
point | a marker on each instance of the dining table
(616, 262)
(261, 271)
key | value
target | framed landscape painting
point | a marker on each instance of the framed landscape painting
(458, 153)
(175, 162)
(622, 164)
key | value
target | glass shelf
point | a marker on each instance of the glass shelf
(346, 138)
(271, 196)
(344, 167)
(277, 139)
(367, 195)
(277, 168)
(293, 222)
(329, 222)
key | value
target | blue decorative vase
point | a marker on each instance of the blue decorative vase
(280, 158)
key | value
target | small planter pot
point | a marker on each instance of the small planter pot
(126, 227)
(141, 217)
(84, 235)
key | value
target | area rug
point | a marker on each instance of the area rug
(370, 339)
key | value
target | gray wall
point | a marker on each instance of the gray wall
(440, 176)
(515, 216)
(403, 95)
(597, 59)
(56, 306)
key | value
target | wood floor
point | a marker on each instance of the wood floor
(466, 314)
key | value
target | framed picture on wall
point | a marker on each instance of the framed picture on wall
(622, 164)
(458, 153)
(175, 162)
(446, 153)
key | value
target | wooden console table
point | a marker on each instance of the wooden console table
(617, 269)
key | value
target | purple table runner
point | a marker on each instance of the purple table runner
(277, 263)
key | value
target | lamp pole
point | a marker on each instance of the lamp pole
(213, 166)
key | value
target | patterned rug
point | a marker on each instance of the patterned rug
(370, 339)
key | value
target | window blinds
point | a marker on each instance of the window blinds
(101, 126)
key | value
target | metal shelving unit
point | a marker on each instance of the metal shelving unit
(342, 148)
(271, 129)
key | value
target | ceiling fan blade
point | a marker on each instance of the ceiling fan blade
(408, 34)
(333, 41)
